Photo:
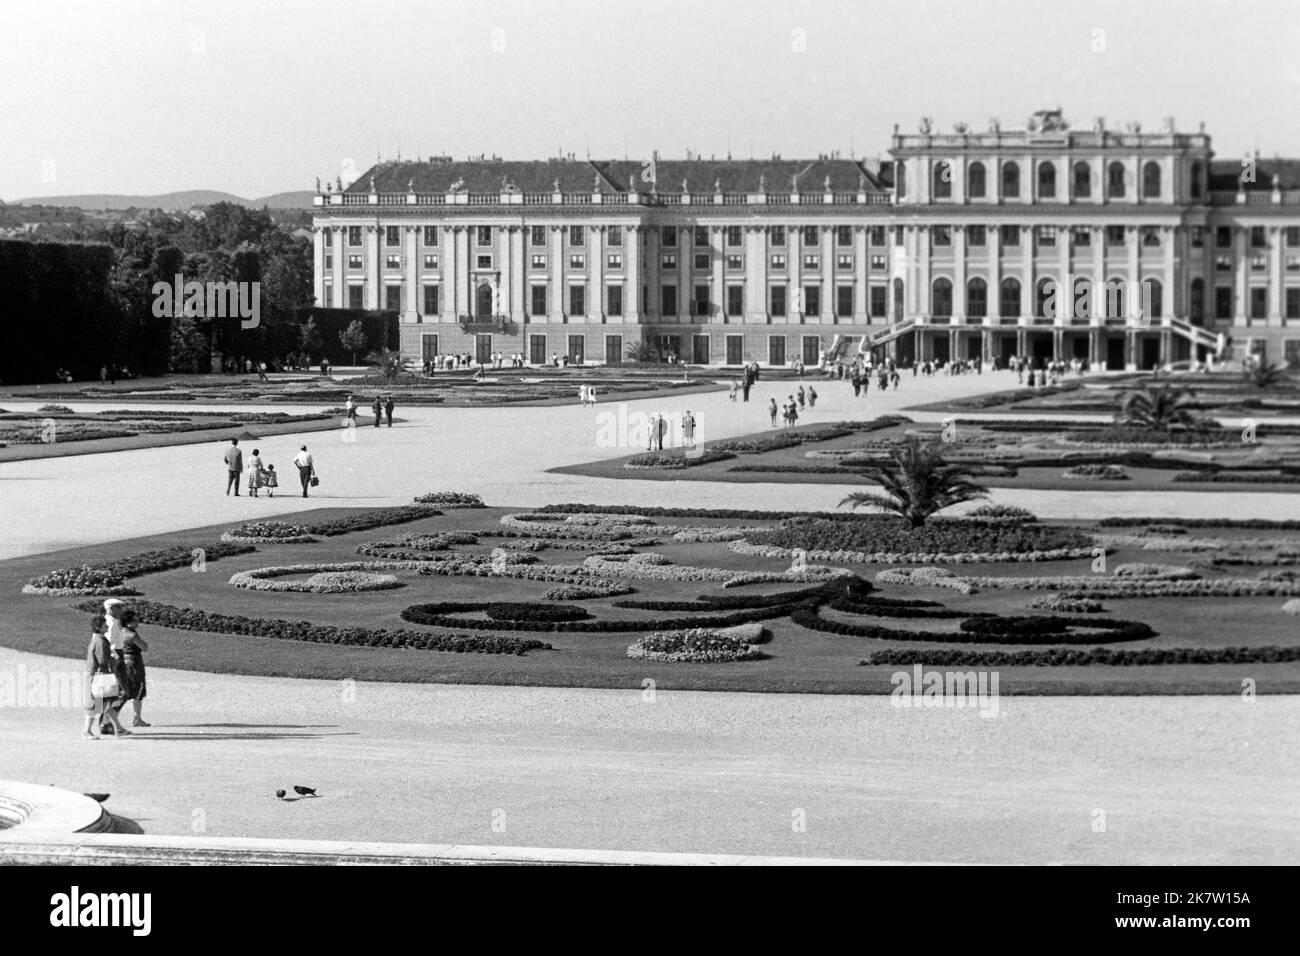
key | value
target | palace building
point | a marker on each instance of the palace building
(1125, 249)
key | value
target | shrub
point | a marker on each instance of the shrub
(1001, 514)
(442, 615)
(988, 628)
(55, 410)
(695, 645)
(1075, 657)
(1253, 524)
(193, 619)
(1105, 472)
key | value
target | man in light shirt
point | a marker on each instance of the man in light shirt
(305, 469)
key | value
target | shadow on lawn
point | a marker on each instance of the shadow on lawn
(236, 736)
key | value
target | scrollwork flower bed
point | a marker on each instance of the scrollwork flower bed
(1075, 657)
(1059, 602)
(1104, 472)
(696, 645)
(192, 619)
(601, 528)
(325, 578)
(746, 547)
(585, 592)
(269, 532)
(113, 574)
(989, 629)
(443, 614)
(1250, 524)
(372, 519)
(415, 546)
(872, 539)
(675, 462)
(450, 499)
(1092, 585)
(601, 566)
(1161, 572)
(504, 611)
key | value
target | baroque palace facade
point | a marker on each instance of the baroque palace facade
(1124, 249)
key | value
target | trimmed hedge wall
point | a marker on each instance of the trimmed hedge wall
(1072, 657)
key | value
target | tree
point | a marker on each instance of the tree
(918, 482)
(1160, 409)
(354, 338)
(311, 341)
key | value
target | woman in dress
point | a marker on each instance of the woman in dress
(254, 473)
(99, 660)
(133, 648)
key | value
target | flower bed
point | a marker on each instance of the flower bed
(662, 460)
(325, 578)
(61, 582)
(891, 557)
(1093, 585)
(1075, 657)
(1059, 602)
(450, 499)
(539, 525)
(1292, 606)
(192, 619)
(1001, 514)
(887, 535)
(989, 629)
(1104, 472)
(270, 532)
(372, 519)
(584, 592)
(695, 645)
(416, 546)
(443, 614)
(505, 611)
(1228, 476)
(1249, 524)
(1163, 572)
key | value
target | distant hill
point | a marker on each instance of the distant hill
(177, 201)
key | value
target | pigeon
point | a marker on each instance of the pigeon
(279, 794)
(304, 791)
(99, 797)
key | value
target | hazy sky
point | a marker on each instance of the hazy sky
(131, 96)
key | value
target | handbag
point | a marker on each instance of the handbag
(314, 481)
(104, 686)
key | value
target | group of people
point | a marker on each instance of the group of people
(382, 407)
(659, 430)
(793, 405)
(115, 672)
(261, 475)
(1045, 373)
(586, 394)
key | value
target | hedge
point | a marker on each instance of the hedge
(1258, 524)
(441, 615)
(371, 519)
(147, 562)
(988, 628)
(192, 619)
(1069, 656)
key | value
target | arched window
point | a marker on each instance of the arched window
(977, 298)
(483, 301)
(975, 180)
(1154, 294)
(1046, 299)
(1198, 180)
(1196, 307)
(1082, 180)
(1151, 180)
(1009, 299)
(1046, 181)
(900, 179)
(942, 179)
(941, 299)
(1010, 180)
(898, 300)
(1115, 180)
(1114, 293)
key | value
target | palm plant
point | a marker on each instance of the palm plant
(385, 360)
(918, 482)
(1265, 374)
(1160, 409)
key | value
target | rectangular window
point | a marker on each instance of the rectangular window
(879, 297)
(392, 262)
(1198, 237)
(539, 260)
(668, 300)
(354, 235)
(392, 236)
(702, 261)
(1081, 237)
(614, 260)
(483, 262)
(776, 296)
(812, 262)
(537, 235)
(778, 260)
(877, 262)
(843, 235)
(898, 235)
(1258, 263)
(485, 235)
(1223, 302)
(1258, 303)
(1222, 263)
(877, 236)
(668, 236)
(577, 300)
(1292, 263)
(393, 298)
(810, 236)
(430, 235)
(975, 235)
(1293, 303)
(1258, 238)
(1223, 237)
(812, 300)
(577, 261)
(812, 350)
(431, 300)
(1292, 235)
(1045, 235)
(844, 262)
(329, 262)
(668, 261)
(431, 262)
(941, 236)
(776, 350)
(1009, 235)
(537, 349)
(700, 302)
(735, 300)
(356, 295)
(777, 235)
(538, 304)
(354, 262)
(735, 262)
(577, 236)
(733, 236)
(701, 236)
(1114, 235)
(614, 299)
(614, 236)
(844, 301)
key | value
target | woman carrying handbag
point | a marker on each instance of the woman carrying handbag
(102, 688)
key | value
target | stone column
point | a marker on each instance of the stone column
(829, 252)
(372, 266)
(558, 291)
(861, 271)
(718, 282)
(318, 239)
(596, 274)
(339, 236)
(1275, 263)
(959, 274)
(447, 292)
(412, 274)
(1242, 281)
(632, 294)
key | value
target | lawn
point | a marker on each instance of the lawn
(795, 658)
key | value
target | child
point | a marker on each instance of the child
(270, 481)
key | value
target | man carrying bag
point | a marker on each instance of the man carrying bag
(306, 470)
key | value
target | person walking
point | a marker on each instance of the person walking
(732, 392)
(234, 459)
(350, 410)
(114, 608)
(378, 408)
(771, 410)
(802, 396)
(306, 468)
(100, 680)
(133, 648)
(255, 472)
(653, 430)
(744, 388)
(388, 411)
(688, 429)
(661, 428)
(856, 380)
(812, 397)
